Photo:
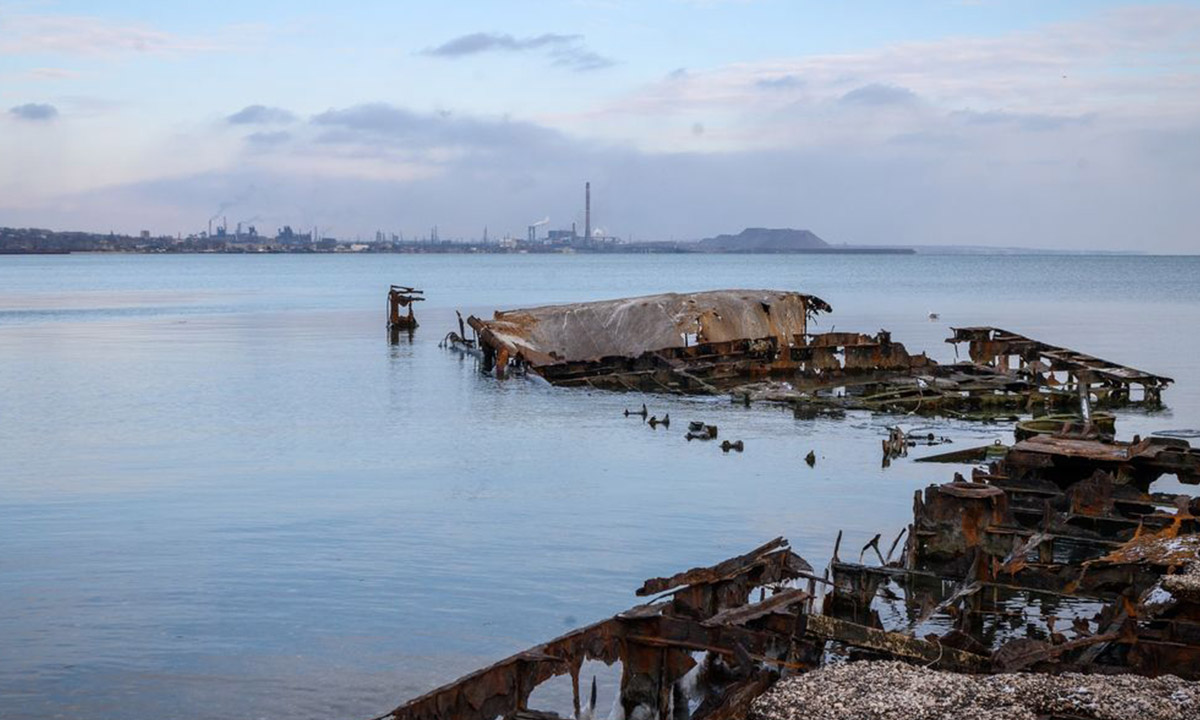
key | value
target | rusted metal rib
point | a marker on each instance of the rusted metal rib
(721, 571)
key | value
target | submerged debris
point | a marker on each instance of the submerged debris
(1056, 556)
(400, 296)
(898, 442)
(756, 345)
(1183, 434)
(1099, 424)
(895, 446)
(699, 431)
(1054, 522)
(744, 647)
(896, 691)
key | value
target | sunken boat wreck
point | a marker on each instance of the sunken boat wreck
(758, 344)
(1060, 557)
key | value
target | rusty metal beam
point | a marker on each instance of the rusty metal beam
(896, 645)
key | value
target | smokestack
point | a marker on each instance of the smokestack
(587, 212)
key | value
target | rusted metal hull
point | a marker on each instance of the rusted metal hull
(1057, 522)
(1065, 525)
(708, 612)
(757, 344)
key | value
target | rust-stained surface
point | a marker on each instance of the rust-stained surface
(699, 343)
(401, 297)
(1045, 363)
(771, 561)
(1136, 463)
(746, 644)
(1067, 525)
(1055, 554)
(1056, 523)
(632, 326)
(760, 345)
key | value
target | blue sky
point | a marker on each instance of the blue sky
(1051, 123)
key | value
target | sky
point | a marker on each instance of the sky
(1042, 123)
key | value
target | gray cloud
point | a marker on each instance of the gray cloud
(564, 50)
(937, 187)
(268, 139)
(931, 140)
(781, 82)
(383, 123)
(580, 59)
(34, 112)
(1035, 122)
(880, 94)
(260, 115)
(481, 42)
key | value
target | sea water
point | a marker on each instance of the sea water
(223, 493)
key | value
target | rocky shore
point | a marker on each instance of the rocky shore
(897, 691)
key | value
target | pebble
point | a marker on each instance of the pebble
(897, 691)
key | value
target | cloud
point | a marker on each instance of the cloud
(580, 59)
(781, 82)
(564, 50)
(1133, 66)
(364, 167)
(381, 123)
(260, 115)
(268, 139)
(880, 94)
(1089, 127)
(1034, 122)
(83, 35)
(49, 73)
(480, 42)
(34, 112)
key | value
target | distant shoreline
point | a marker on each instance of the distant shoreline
(469, 251)
(923, 251)
(753, 241)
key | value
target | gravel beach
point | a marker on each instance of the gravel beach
(896, 691)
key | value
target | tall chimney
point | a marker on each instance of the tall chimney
(587, 212)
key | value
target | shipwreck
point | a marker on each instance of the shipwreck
(760, 345)
(1058, 553)
(1056, 556)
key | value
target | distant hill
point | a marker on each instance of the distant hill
(765, 240)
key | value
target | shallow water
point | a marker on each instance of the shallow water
(224, 494)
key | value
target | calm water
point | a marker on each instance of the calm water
(223, 494)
